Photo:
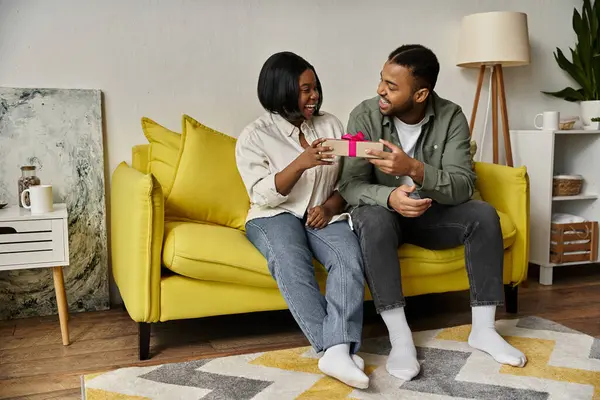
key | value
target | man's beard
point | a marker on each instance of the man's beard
(404, 109)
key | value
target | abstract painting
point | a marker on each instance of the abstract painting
(60, 132)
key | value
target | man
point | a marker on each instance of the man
(419, 192)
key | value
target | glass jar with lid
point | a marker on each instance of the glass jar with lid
(28, 178)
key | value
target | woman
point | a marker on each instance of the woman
(296, 213)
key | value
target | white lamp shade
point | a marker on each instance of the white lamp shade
(490, 38)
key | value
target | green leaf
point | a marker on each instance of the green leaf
(592, 21)
(577, 23)
(589, 33)
(568, 94)
(579, 28)
(584, 68)
(583, 38)
(576, 72)
(597, 12)
(595, 77)
(576, 59)
(595, 16)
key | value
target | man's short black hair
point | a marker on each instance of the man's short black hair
(421, 61)
(278, 89)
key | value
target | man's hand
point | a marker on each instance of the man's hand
(400, 201)
(319, 217)
(395, 163)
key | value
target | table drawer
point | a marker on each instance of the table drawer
(40, 225)
(32, 242)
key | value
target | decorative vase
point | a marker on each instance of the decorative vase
(589, 109)
(27, 180)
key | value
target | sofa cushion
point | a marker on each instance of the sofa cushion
(214, 253)
(162, 156)
(207, 186)
(438, 262)
(221, 254)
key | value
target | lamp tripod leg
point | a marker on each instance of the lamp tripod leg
(504, 111)
(476, 101)
(495, 113)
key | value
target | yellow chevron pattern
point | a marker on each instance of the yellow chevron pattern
(294, 360)
(538, 365)
(538, 352)
(562, 363)
(98, 394)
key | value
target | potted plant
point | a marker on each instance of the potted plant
(594, 125)
(585, 65)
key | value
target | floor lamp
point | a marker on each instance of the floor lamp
(495, 40)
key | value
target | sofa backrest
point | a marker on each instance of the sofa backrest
(140, 156)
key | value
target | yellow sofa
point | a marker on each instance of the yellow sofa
(169, 268)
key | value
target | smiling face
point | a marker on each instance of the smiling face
(396, 90)
(309, 93)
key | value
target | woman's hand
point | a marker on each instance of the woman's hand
(311, 156)
(319, 217)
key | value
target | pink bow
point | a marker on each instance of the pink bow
(352, 139)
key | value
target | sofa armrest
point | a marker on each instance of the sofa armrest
(137, 228)
(507, 190)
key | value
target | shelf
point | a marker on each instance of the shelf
(578, 132)
(572, 263)
(576, 197)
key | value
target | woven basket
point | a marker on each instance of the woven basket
(567, 185)
(565, 126)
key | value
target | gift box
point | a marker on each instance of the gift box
(352, 146)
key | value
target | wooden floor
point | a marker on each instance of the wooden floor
(35, 365)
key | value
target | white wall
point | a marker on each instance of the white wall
(164, 58)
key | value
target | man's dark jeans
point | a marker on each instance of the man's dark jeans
(474, 224)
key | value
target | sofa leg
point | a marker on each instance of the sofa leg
(144, 340)
(511, 298)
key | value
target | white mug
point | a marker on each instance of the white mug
(549, 120)
(40, 199)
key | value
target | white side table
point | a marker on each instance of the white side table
(38, 241)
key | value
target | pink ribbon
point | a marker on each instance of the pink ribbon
(352, 139)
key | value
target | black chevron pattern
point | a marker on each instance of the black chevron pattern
(439, 369)
(223, 386)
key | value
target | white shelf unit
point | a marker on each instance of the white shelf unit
(548, 153)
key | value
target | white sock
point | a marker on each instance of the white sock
(402, 361)
(337, 363)
(360, 363)
(485, 338)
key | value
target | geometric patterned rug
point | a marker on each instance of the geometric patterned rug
(562, 364)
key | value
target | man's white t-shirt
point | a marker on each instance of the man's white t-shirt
(408, 136)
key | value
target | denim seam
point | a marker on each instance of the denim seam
(373, 287)
(284, 289)
(477, 303)
(343, 277)
(472, 285)
(391, 306)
